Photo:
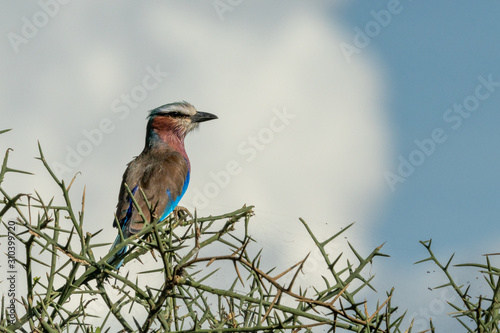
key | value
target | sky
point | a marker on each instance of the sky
(381, 113)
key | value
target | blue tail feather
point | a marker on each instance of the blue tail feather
(119, 253)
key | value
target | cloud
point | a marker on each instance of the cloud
(325, 162)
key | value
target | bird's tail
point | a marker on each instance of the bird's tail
(114, 260)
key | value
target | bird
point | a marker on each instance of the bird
(161, 171)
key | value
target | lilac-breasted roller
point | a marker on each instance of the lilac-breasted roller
(161, 171)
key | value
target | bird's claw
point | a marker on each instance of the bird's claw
(182, 212)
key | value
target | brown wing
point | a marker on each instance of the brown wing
(161, 176)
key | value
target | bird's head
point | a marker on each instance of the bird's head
(174, 121)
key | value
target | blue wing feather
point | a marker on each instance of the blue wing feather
(173, 203)
(124, 221)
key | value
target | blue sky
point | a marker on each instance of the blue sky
(433, 54)
(345, 122)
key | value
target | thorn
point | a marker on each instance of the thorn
(71, 183)
(238, 272)
(339, 294)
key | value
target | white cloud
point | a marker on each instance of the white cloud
(326, 165)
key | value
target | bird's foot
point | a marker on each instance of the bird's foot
(181, 213)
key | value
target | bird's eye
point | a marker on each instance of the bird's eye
(176, 114)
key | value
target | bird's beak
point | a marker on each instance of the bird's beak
(200, 117)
